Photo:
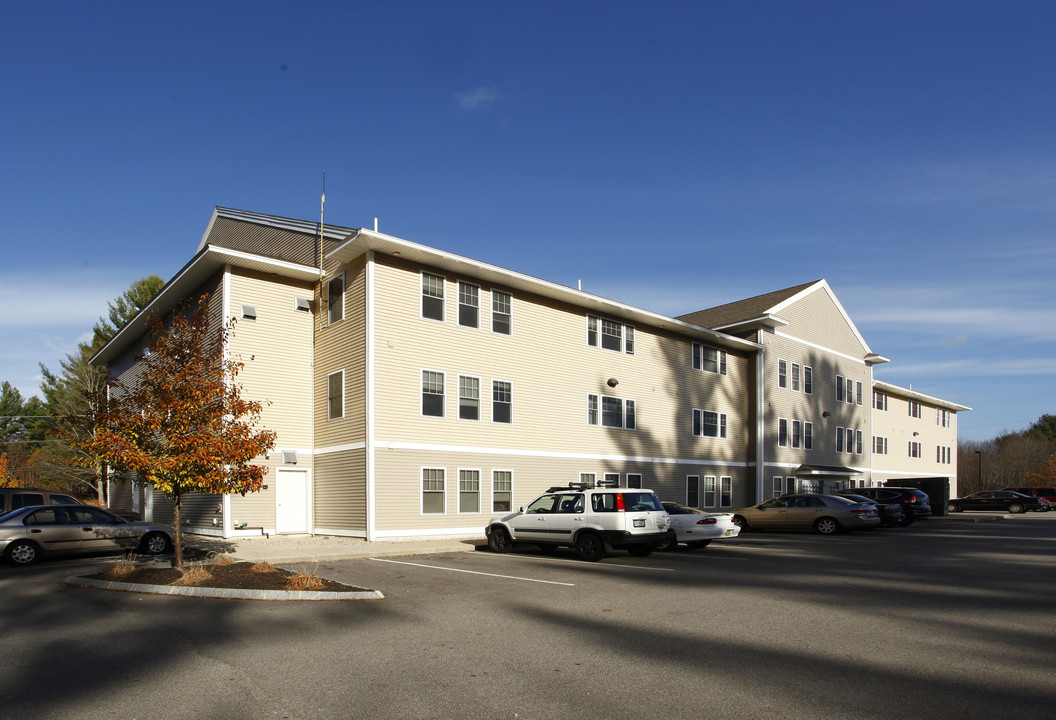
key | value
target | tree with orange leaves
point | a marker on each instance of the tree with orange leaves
(1046, 474)
(182, 425)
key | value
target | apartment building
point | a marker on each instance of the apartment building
(415, 392)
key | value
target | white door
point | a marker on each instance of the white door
(291, 501)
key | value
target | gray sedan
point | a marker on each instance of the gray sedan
(29, 532)
(826, 514)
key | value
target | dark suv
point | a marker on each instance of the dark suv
(915, 503)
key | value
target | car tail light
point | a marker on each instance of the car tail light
(707, 521)
(861, 512)
(619, 503)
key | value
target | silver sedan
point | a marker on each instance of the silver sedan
(826, 514)
(29, 532)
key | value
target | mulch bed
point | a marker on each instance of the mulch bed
(237, 575)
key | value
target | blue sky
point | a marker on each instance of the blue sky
(671, 155)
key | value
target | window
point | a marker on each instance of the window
(808, 380)
(614, 336)
(587, 477)
(432, 297)
(501, 490)
(778, 487)
(707, 423)
(709, 491)
(850, 391)
(795, 377)
(914, 449)
(634, 480)
(943, 418)
(850, 440)
(433, 491)
(879, 401)
(501, 312)
(726, 490)
(859, 442)
(615, 412)
(857, 393)
(611, 479)
(782, 373)
(468, 398)
(693, 490)
(943, 455)
(914, 409)
(501, 401)
(879, 445)
(839, 439)
(468, 305)
(432, 393)
(709, 359)
(335, 294)
(469, 491)
(335, 395)
(782, 432)
(839, 388)
(796, 433)
(808, 436)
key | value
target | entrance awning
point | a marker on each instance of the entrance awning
(827, 471)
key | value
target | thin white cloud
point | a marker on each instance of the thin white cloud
(973, 367)
(483, 98)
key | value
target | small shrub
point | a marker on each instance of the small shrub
(122, 568)
(304, 580)
(262, 567)
(193, 575)
(225, 560)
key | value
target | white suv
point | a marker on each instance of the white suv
(591, 520)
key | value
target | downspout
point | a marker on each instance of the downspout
(369, 379)
(225, 318)
(760, 419)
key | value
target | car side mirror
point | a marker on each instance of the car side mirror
(521, 509)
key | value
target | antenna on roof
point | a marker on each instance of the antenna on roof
(322, 208)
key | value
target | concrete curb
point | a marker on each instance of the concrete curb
(223, 593)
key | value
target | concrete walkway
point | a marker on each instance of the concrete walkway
(278, 549)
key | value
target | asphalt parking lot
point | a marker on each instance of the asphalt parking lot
(942, 618)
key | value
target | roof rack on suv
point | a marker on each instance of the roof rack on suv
(584, 485)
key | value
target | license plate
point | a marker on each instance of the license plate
(639, 523)
(730, 531)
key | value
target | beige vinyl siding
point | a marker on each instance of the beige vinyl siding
(818, 320)
(342, 346)
(257, 509)
(898, 427)
(340, 491)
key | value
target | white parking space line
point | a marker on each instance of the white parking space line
(577, 563)
(474, 572)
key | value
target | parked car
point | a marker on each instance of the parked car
(915, 503)
(1002, 500)
(826, 514)
(1039, 492)
(15, 498)
(696, 528)
(890, 513)
(28, 533)
(591, 520)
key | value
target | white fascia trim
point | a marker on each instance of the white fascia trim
(824, 285)
(518, 452)
(301, 272)
(906, 392)
(370, 469)
(801, 341)
(340, 448)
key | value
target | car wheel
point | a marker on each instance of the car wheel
(499, 540)
(1015, 508)
(22, 552)
(907, 519)
(640, 550)
(670, 544)
(740, 522)
(590, 547)
(827, 526)
(697, 544)
(154, 543)
(953, 507)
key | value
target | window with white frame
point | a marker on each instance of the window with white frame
(850, 440)
(501, 401)
(914, 409)
(708, 423)
(710, 492)
(501, 312)
(782, 373)
(611, 479)
(610, 335)
(587, 477)
(433, 491)
(858, 392)
(432, 297)
(468, 305)
(944, 455)
(614, 412)
(782, 432)
(808, 380)
(335, 395)
(943, 418)
(795, 377)
(709, 359)
(879, 400)
(726, 491)
(693, 490)
(335, 299)
(850, 391)
(501, 490)
(778, 487)
(808, 436)
(839, 439)
(469, 491)
(468, 398)
(914, 449)
(859, 442)
(839, 388)
(879, 445)
(797, 433)
(634, 480)
(432, 393)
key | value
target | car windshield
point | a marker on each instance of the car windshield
(843, 500)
